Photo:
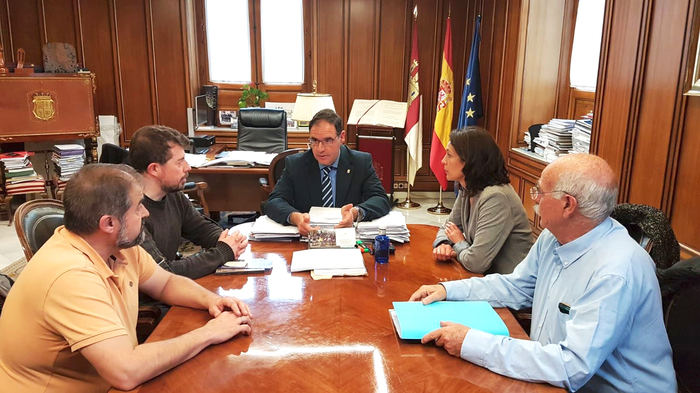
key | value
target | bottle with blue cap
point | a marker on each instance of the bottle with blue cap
(381, 246)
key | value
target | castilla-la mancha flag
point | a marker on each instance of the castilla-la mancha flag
(443, 118)
(414, 116)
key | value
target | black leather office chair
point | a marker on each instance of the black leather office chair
(652, 230)
(680, 290)
(113, 154)
(262, 129)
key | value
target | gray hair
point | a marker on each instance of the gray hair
(596, 199)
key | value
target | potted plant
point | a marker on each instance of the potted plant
(251, 97)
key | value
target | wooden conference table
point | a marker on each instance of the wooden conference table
(329, 335)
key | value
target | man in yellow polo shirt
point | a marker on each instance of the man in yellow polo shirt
(69, 322)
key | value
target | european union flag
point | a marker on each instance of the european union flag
(471, 108)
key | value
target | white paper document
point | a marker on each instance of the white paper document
(265, 224)
(327, 259)
(378, 113)
(195, 160)
(324, 215)
(233, 157)
(345, 237)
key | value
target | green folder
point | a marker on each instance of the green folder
(414, 319)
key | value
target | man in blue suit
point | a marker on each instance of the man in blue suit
(329, 175)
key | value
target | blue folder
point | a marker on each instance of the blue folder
(416, 319)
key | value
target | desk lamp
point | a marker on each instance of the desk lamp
(308, 104)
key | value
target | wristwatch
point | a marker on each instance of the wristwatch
(360, 215)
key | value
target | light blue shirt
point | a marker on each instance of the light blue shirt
(332, 174)
(613, 338)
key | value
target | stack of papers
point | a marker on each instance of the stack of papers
(265, 229)
(324, 216)
(329, 262)
(68, 159)
(413, 320)
(234, 158)
(20, 177)
(394, 222)
(581, 136)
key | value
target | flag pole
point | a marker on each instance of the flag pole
(413, 124)
(439, 208)
(408, 203)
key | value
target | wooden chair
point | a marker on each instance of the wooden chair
(276, 168)
(195, 191)
(35, 222)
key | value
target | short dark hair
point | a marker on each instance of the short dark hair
(97, 190)
(152, 144)
(483, 161)
(329, 116)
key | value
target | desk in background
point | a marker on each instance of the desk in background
(231, 188)
(329, 335)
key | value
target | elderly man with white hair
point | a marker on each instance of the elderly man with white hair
(597, 321)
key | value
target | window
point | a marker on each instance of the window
(585, 52)
(238, 54)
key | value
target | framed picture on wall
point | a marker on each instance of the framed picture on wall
(228, 118)
(287, 107)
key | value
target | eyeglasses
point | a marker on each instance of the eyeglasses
(535, 192)
(313, 142)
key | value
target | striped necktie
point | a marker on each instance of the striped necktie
(326, 189)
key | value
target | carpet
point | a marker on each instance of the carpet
(15, 268)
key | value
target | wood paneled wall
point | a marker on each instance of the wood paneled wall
(643, 124)
(647, 128)
(364, 48)
(136, 48)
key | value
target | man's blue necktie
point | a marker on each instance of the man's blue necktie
(326, 189)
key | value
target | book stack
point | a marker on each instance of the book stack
(20, 177)
(67, 159)
(394, 222)
(554, 139)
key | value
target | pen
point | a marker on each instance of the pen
(361, 246)
(564, 308)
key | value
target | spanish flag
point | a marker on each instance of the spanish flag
(443, 118)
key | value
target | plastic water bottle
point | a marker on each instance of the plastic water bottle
(381, 246)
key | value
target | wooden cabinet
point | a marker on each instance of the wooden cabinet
(47, 107)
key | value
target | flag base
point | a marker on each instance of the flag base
(439, 209)
(407, 204)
